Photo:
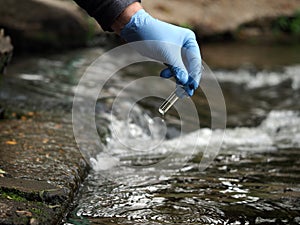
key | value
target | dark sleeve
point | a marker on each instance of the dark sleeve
(105, 11)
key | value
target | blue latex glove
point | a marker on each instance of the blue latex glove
(175, 46)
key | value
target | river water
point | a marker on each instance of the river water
(148, 170)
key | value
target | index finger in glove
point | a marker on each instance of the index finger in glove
(193, 62)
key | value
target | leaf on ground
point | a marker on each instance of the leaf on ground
(24, 213)
(30, 113)
(45, 140)
(11, 142)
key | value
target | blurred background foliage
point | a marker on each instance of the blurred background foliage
(288, 24)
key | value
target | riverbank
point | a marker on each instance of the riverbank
(249, 21)
(60, 24)
(41, 168)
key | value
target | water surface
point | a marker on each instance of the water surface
(253, 180)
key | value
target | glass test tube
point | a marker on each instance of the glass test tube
(167, 104)
(175, 95)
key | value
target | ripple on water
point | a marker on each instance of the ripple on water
(241, 186)
(155, 204)
(253, 180)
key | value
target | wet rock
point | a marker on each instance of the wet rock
(34, 190)
(43, 24)
(41, 169)
(33, 221)
(210, 18)
(2, 112)
(25, 212)
(6, 50)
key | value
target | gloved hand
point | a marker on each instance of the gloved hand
(175, 46)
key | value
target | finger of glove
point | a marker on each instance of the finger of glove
(166, 73)
(180, 75)
(192, 59)
(191, 86)
(195, 72)
(189, 91)
(192, 82)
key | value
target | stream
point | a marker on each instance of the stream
(148, 169)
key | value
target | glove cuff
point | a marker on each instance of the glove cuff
(135, 22)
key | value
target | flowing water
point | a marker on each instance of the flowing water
(148, 171)
(253, 180)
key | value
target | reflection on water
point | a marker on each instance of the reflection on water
(233, 55)
(253, 180)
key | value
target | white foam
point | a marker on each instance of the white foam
(261, 78)
(104, 161)
(279, 129)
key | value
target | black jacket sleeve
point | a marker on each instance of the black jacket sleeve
(105, 11)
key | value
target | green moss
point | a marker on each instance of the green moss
(288, 24)
(20, 220)
(12, 196)
(37, 211)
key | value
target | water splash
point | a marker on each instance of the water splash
(262, 78)
(279, 129)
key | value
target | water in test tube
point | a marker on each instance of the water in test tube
(170, 101)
